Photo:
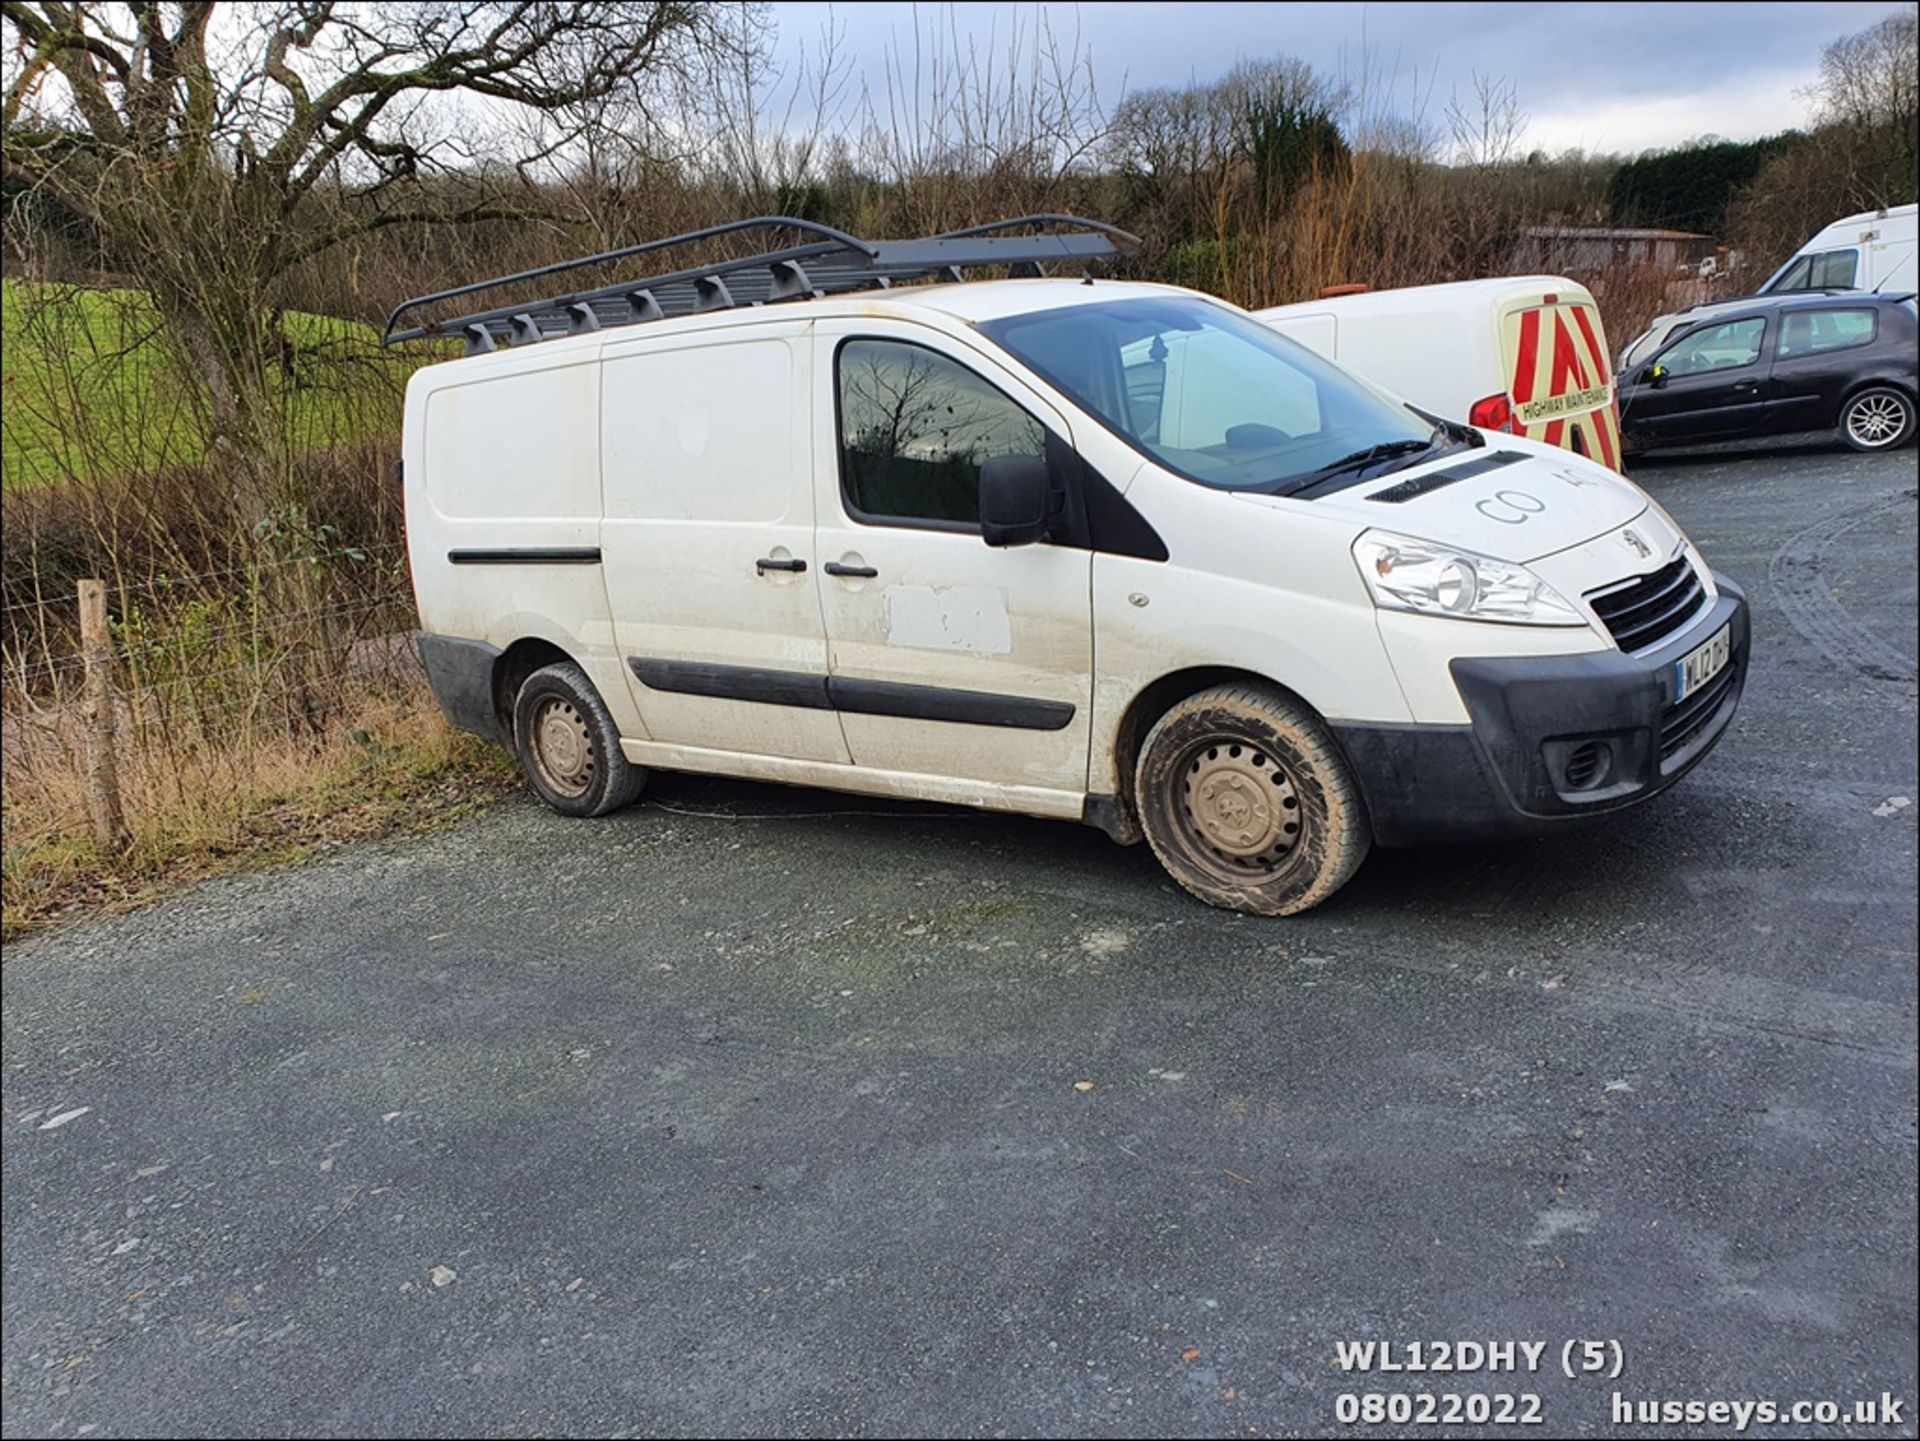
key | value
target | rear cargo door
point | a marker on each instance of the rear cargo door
(1559, 379)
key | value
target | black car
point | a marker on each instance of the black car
(1779, 364)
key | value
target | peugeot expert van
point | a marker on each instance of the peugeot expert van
(1524, 354)
(836, 516)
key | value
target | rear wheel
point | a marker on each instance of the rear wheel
(569, 746)
(1877, 419)
(1248, 803)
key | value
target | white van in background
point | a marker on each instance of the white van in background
(1873, 250)
(1526, 354)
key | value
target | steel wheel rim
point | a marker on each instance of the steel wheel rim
(1876, 419)
(1239, 810)
(562, 747)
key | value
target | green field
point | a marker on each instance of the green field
(91, 390)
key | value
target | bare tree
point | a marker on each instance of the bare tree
(1865, 105)
(966, 129)
(1868, 90)
(1488, 126)
(1868, 78)
(211, 149)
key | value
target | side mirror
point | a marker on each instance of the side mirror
(1015, 491)
(1657, 375)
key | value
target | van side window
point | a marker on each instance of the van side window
(1829, 270)
(1794, 277)
(915, 428)
(1834, 270)
(1718, 347)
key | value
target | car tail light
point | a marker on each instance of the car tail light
(1493, 413)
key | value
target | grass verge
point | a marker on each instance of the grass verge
(399, 770)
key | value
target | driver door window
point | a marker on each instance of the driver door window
(1829, 270)
(1718, 347)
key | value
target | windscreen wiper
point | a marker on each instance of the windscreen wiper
(1359, 460)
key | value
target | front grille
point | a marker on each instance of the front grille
(1682, 722)
(1646, 611)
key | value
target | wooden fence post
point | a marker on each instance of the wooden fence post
(103, 779)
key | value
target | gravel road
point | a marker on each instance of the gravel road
(832, 1116)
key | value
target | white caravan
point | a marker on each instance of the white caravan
(791, 517)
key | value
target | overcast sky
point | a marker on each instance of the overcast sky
(1603, 77)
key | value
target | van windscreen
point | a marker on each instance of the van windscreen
(1213, 395)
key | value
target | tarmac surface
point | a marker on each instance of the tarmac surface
(784, 1112)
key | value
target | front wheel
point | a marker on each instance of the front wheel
(1877, 419)
(569, 745)
(1248, 802)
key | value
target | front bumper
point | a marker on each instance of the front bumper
(1554, 740)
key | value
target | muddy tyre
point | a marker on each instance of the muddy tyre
(569, 746)
(1248, 802)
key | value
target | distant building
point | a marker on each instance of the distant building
(1565, 247)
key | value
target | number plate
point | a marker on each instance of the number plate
(1702, 664)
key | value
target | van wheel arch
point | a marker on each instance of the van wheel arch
(510, 672)
(1161, 696)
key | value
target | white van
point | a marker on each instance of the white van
(1873, 250)
(790, 517)
(1522, 354)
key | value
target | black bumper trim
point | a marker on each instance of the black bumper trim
(1494, 778)
(460, 673)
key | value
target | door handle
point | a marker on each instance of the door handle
(767, 563)
(862, 572)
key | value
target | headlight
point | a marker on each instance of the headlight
(1420, 576)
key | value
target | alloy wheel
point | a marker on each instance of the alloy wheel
(1876, 419)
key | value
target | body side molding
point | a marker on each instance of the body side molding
(861, 697)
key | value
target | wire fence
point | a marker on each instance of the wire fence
(118, 698)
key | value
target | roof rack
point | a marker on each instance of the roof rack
(825, 262)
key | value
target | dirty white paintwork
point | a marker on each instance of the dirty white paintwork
(687, 449)
(949, 617)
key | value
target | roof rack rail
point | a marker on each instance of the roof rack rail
(825, 262)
